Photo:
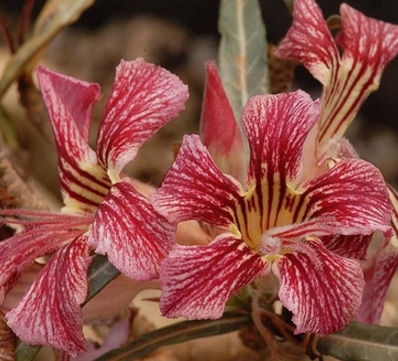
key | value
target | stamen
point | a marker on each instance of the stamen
(269, 245)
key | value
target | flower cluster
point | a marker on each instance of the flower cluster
(282, 191)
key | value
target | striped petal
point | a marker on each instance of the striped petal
(323, 293)
(277, 127)
(144, 98)
(310, 42)
(78, 98)
(379, 271)
(365, 39)
(44, 233)
(20, 286)
(368, 46)
(128, 230)
(197, 281)
(219, 130)
(50, 313)
(196, 189)
(344, 207)
(69, 103)
(352, 246)
(351, 196)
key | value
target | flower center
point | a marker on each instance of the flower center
(262, 209)
(269, 245)
(84, 187)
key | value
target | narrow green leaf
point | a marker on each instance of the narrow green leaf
(362, 342)
(242, 52)
(100, 273)
(26, 352)
(59, 13)
(55, 16)
(176, 333)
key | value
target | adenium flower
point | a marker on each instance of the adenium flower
(103, 211)
(274, 221)
(348, 77)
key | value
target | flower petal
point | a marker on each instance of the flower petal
(78, 98)
(327, 229)
(352, 196)
(309, 41)
(127, 229)
(219, 130)
(20, 286)
(365, 39)
(352, 246)
(43, 234)
(50, 313)
(195, 188)
(58, 94)
(379, 271)
(323, 293)
(369, 45)
(343, 206)
(83, 182)
(144, 98)
(197, 281)
(277, 127)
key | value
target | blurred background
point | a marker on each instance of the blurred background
(181, 35)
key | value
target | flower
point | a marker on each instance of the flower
(368, 45)
(103, 210)
(276, 221)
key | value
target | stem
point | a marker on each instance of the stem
(267, 335)
(7, 35)
(24, 20)
(100, 273)
(177, 333)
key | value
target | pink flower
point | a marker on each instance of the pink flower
(104, 211)
(275, 220)
(368, 45)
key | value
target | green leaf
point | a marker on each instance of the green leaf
(54, 17)
(100, 273)
(25, 352)
(362, 342)
(176, 333)
(242, 52)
